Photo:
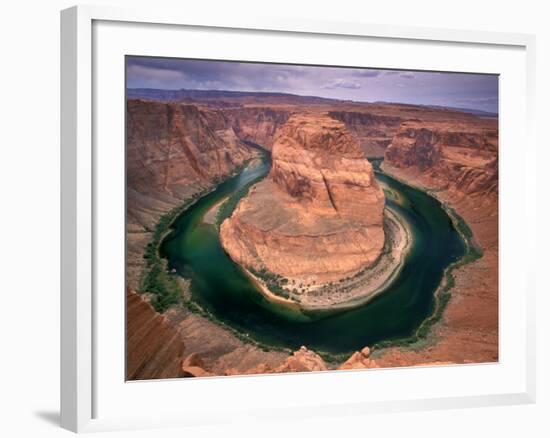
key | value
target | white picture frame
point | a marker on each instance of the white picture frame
(82, 370)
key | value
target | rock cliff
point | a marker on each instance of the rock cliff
(318, 216)
(257, 124)
(373, 131)
(449, 155)
(154, 346)
(171, 146)
(301, 360)
(172, 152)
(457, 157)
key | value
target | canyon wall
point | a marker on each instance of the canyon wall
(174, 149)
(456, 158)
(154, 347)
(460, 156)
(325, 214)
(172, 152)
(257, 124)
(374, 132)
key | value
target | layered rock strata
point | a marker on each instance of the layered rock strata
(171, 147)
(318, 216)
(374, 132)
(469, 328)
(258, 125)
(458, 162)
(154, 346)
(173, 151)
(463, 156)
(301, 360)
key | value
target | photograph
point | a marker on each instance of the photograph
(285, 218)
(267, 220)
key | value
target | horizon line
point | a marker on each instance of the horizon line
(318, 97)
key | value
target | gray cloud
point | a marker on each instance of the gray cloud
(342, 83)
(359, 84)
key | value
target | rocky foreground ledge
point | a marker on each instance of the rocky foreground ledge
(178, 349)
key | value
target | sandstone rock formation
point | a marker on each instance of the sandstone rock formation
(153, 345)
(302, 360)
(374, 132)
(261, 368)
(359, 360)
(193, 366)
(318, 215)
(194, 372)
(257, 124)
(193, 360)
(172, 148)
(459, 155)
(173, 151)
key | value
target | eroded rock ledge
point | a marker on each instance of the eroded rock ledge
(319, 215)
(461, 157)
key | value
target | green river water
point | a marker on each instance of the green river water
(219, 286)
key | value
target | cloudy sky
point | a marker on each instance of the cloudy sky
(473, 91)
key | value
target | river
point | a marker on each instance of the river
(219, 286)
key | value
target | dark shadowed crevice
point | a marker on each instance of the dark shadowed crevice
(329, 193)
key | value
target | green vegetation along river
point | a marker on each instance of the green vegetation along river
(220, 287)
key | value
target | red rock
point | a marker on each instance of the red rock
(194, 371)
(373, 131)
(258, 125)
(458, 154)
(302, 360)
(154, 346)
(359, 360)
(193, 360)
(318, 216)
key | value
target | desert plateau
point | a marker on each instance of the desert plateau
(287, 229)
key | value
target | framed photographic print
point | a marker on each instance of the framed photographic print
(282, 207)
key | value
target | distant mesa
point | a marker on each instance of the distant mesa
(227, 96)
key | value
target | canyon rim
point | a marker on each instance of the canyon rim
(289, 218)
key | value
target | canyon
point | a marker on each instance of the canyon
(320, 186)
(458, 156)
(172, 152)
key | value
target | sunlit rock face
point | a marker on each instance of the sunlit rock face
(172, 152)
(318, 215)
(460, 156)
(154, 346)
(171, 145)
